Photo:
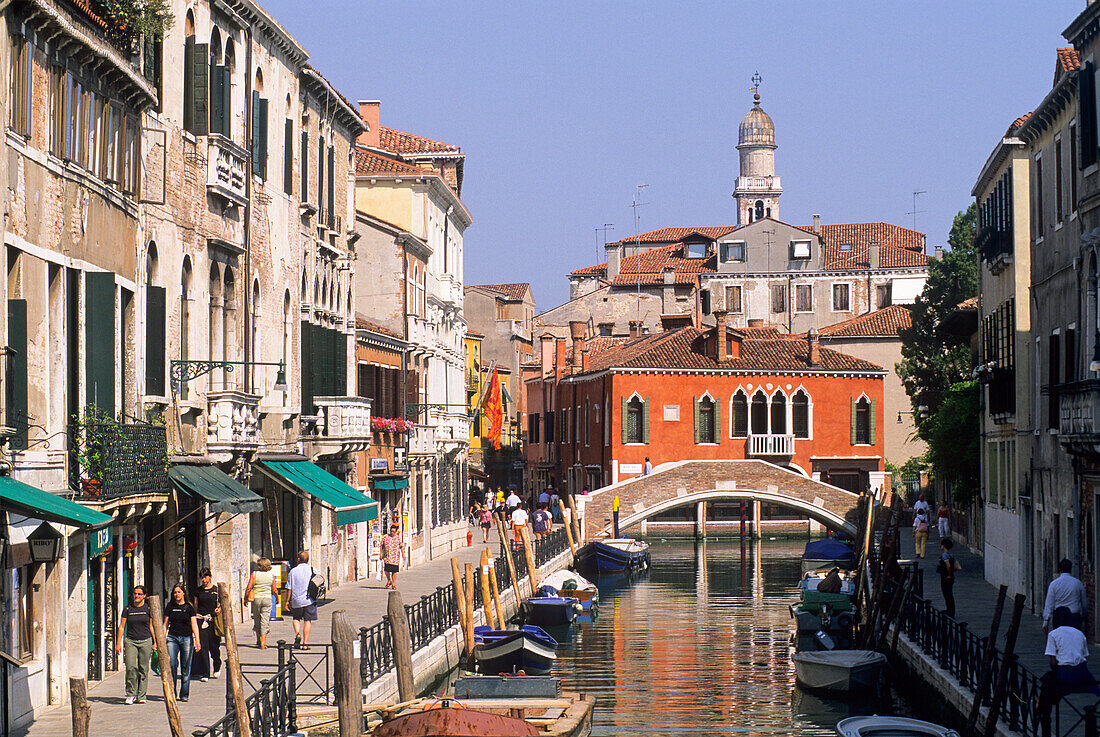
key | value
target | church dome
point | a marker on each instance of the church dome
(757, 128)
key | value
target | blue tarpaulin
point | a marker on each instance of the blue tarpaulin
(831, 550)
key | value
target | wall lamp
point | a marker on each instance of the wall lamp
(183, 371)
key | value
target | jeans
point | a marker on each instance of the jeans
(180, 649)
(137, 654)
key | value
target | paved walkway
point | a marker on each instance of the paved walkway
(365, 600)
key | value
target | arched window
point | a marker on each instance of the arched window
(229, 325)
(740, 414)
(862, 422)
(759, 415)
(189, 51)
(634, 421)
(214, 331)
(759, 209)
(155, 321)
(287, 326)
(185, 310)
(800, 414)
(257, 352)
(779, 414)
(706, 425)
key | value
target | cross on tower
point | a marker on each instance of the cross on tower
(756, 80)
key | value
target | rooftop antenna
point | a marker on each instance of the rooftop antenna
(637, 219)
(606, 227)
(914, 212)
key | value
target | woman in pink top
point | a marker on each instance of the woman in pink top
(393, 552)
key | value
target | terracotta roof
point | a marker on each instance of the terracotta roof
(675, 235)
(401, 142)
(90, 14)
(367, 163)
(684, 349)
(648, 267)
(515, 292)
(887, 321)
(889, 257)
(1068, 60)
(968, 304)
(597, 270)
(363, 324)
(860, 236)
(1019, 121)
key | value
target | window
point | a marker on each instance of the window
(587, 423)
(706, 421)
(779, 414)
(840, 297)
(1054, 376)
(759, 210)
(549, 420)
(733, 299)
(884, 295)
(800, 415)
(1072, 172)
(1070, 363)
(1058, 180)
(57, 111)
(606, 328)
(779, 298)
(563, 426)
(758, 416)
(1037, 203)
(740, 414)
(155, 314)
(25, 605)
(800, 250)
(533, 422)
(803, 298)
(259, 134)
(635, 421)
(863, 421)
(196, 84)
(22, 63)
(733, 251)
(845, 246)
(303, 175)
(695, 250)
(1086, 107)
(288, 157)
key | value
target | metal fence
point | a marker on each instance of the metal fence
(272, 708)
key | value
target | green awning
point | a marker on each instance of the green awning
(221, 492)
(32, 502)
(307, 478)
(390, 484)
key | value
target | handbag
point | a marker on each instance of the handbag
(154, 662)
(219, 625)
(249, 594)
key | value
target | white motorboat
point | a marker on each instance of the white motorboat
(876, 726)
(840, 671)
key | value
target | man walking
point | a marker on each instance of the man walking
(1066, 591)
(303, 609)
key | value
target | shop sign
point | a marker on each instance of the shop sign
(98, 541)
(401, 458)
(630, 468)
(379, 465)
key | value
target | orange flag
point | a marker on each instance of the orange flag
(494, 411)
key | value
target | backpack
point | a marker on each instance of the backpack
(317, 587)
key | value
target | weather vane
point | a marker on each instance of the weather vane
(756, 80)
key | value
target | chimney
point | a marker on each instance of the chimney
(612, 254)
(668, 291)
(585, 355)
(546, 346)
(635, 328)
(872, 256)
(576, 336)
(814, 348)
(939, 251)
(817, 224)
(721, 355)
(559, 356)
(368, 111)
(756, 322)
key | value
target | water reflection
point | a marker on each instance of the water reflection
(700, 646)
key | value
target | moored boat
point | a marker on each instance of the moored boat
(876, 726)
(827, 553)
(573, 586)
(564, 714)
(451, 721)
(839, 671)
(529, 649)
(614, 555)
(550, 611)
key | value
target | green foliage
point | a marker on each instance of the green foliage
(131, 19)
(953, 434)
(96, 434)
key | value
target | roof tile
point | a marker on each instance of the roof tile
(516, 291)
(400, 142)
(368, 162)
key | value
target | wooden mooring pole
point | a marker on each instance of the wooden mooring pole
(82, 713)
(985, 670)
(503, 532)
(1000, 688)
(528, 553)
(160, 640)
(402, 648)
(463, 614)
(568, 529)
(233, 661)
(487, 592)
(347, 686)
(496, 596)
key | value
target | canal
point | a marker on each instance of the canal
(700, 646)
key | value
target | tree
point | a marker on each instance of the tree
(953, 436)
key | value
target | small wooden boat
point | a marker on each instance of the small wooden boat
(614, 555)
(564, 715)
(826, 554)
(573, 586)
(875, 726)
(529, 649)
(452, 721)
(813, 600)
(839, 671)
(550, 611)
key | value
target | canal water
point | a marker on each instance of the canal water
(700, 646)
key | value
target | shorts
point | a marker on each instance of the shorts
(390, 567)
(486, 525)
(304, 613)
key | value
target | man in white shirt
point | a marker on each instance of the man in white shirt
(302, 608)
(519, 521)
(922, 504)
(513, 500)
(1066, 591)
(1069, 671)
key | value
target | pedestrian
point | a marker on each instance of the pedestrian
(1069, 672)
(489, 498)
(943, 519)
(1066, 591)
(920, 532)
(519, 521)
(134, 630)
(500, 495)
(181, 625)
(485, 519)
(208, 609)
(947, 568)
(260, 586)
(647, 467)
(555, 505)
(544, 497)
(922, 504)
(541, 521)
(513, 500)
(303, 610)
(393, 553)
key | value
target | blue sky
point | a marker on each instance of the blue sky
(562, 109)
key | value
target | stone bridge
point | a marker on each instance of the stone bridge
(689, 482)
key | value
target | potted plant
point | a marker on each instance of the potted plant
(95, 435)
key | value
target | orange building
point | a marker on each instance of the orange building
(599, 407)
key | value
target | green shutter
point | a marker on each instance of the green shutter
(871, 423)
(155, 309)
(698, 421)
(332, 189)
(340, 364)
(259, 135)
(320, 175)
(217, 100)
(306, 369)
(717, 420)
(188, 88)
(303, 173)
(226, 93)
(99, 337)
(288, 157)
(200, 89)
(645, 421)
(853, 404)
(625, 435)
(17, 377)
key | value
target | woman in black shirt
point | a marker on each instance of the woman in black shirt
(208, 609)
(181, 624)
(134, 631)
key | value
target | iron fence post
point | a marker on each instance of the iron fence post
(293, 697)
(1090, 721)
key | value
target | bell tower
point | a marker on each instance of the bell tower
(757, 190)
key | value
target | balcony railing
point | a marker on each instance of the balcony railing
(1078, 410)
(342, 425)
(226, 169)
(232, 421)
(770, 445)
(1002, 393)
(758, 183)
(995, 246)
(135, 458)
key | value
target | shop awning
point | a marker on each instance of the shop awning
(221, 492)
(307, 478)
(391, 483)
(32, 502)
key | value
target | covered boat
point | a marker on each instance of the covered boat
(813, 600)
(550, 611)
(614, 555)
(875, 726)
(826, 553)
(529, 649)
(839, 671)
(573, 586)
(451, 721)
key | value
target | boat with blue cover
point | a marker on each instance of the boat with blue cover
(827, 553)
(529, 649)
(614, 555)
(550, 611)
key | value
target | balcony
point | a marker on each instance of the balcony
(758, 183)
(1002, 395)
(995, 247)
(761, 446)
(112, 461)
(341, 426)
(1078, 410)
(226, 166)
(231, 422)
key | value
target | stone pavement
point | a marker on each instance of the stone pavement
(365, 600)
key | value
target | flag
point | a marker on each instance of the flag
(494, 411)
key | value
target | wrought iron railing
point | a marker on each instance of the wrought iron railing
(375, 652)
(272, 708)
(433, 615)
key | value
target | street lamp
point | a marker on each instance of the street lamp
(183, 371)
(921, 413)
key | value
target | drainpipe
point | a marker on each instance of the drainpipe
(247, 285)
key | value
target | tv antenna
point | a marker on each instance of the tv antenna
(606, 227)
(637, 220)
(914, 212)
